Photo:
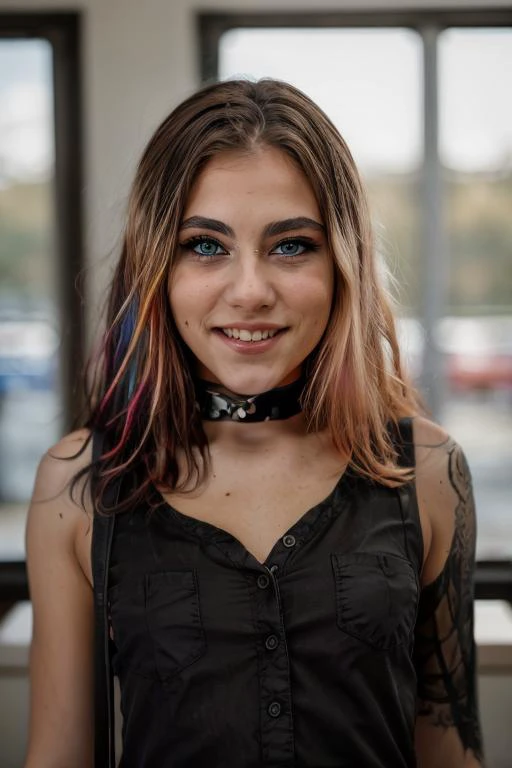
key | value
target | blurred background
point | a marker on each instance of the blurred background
(421, 93)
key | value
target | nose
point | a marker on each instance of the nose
(251, 286)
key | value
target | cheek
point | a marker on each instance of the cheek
(185, 294)
(180, 310)
(316, 297)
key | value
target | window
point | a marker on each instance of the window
(475, 147)
(39, 257)
(30, 397)
(421, 100)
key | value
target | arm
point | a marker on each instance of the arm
(61, 658)
(447, 725)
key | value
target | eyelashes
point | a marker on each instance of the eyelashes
(295, 247)
(206, 247)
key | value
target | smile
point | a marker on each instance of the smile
(245, 335)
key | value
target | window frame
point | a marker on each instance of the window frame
(211, 26)
(63, 33)
(493, 578)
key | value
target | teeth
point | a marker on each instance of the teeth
(244, 335)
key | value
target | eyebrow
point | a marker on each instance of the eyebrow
(271, 230)
(201, 222)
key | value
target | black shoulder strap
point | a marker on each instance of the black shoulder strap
(403, 440)
(103, 529)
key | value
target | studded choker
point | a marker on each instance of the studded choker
(278, 403)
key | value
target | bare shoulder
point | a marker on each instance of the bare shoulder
(57, 507)
(438, 456)
(443, 484)
(61, 463)
(430, 440)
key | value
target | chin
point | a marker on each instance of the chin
(254, 384)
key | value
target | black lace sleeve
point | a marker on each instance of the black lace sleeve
(445, 657)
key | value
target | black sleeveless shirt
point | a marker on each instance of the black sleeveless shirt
(304, 660)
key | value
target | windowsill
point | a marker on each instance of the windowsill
(12, 531)
(493, 633)
(15, 634)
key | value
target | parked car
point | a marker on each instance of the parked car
(477, 351)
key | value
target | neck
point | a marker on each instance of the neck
(257, 437)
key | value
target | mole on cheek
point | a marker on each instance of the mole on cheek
(186, 323)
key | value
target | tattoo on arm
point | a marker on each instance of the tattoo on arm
(445, 656)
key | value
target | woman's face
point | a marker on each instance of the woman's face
(252, 286)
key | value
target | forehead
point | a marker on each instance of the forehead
(264, 178)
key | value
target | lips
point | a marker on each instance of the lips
(249, 340)
(250, 333)
(260, 334)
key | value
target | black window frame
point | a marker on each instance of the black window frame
(211, 26)
(62, 30)
(493, 578)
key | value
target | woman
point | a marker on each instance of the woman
(280, 504)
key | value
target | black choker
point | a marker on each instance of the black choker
(278, 403)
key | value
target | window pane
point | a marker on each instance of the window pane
(365, 79)
(476, 151)
(29, 367)
(369, 83)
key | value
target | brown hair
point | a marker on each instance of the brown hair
(144, 393)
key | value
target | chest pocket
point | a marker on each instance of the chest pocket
(156, 624)
(376, 598)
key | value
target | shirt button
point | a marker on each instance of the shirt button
(263, 581)
(271, 642)
(289, 540)
(274, 709)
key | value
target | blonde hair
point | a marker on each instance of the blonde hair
(144, 396)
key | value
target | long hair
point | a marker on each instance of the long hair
(143, 397)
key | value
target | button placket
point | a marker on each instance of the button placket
(274, 674)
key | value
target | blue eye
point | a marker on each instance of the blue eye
(294, 247)
(204, 246)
